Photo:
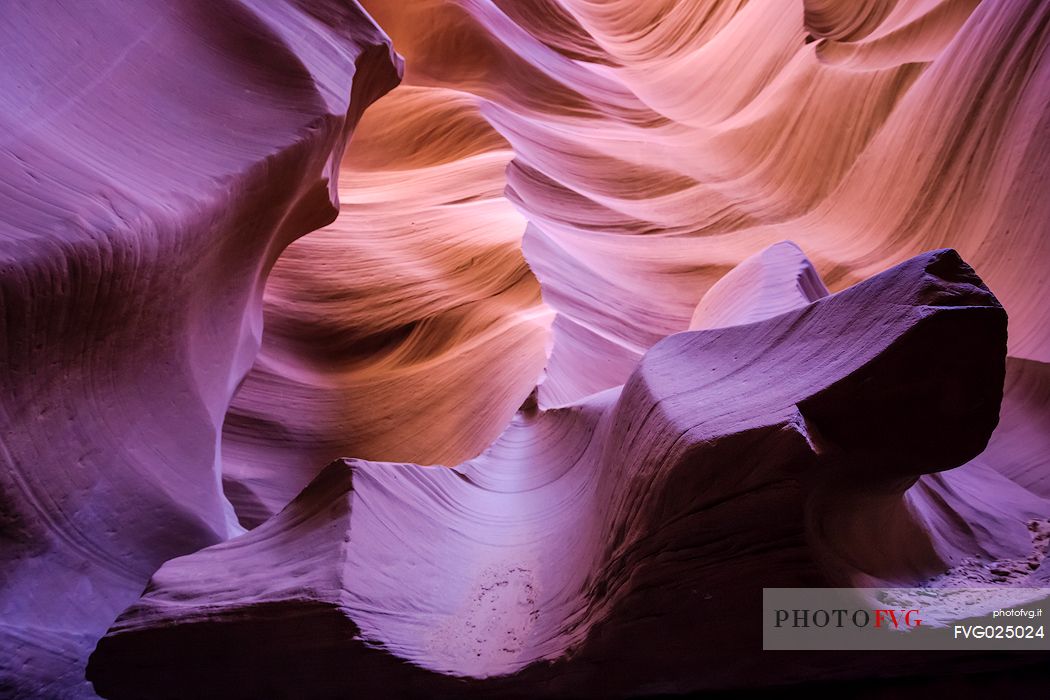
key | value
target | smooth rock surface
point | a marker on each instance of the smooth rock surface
(529, 221)
(155, 158)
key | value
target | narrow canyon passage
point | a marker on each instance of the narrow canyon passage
(514, 348)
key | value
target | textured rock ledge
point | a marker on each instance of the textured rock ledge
(580, 554)
(156, 157)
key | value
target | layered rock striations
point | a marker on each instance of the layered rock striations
(651, 149)
(658, 146)
(565, 253)
(410, 329)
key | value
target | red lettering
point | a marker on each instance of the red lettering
(879, 617)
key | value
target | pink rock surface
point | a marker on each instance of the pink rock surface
(656, 147)
(771, 282)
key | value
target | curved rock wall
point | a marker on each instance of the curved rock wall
(155, 162)
(649, 273)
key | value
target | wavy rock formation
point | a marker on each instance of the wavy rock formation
(561, 262)
(657, 146)
(654, 148)
(152, 170)
(591, 539)
(410, 329)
